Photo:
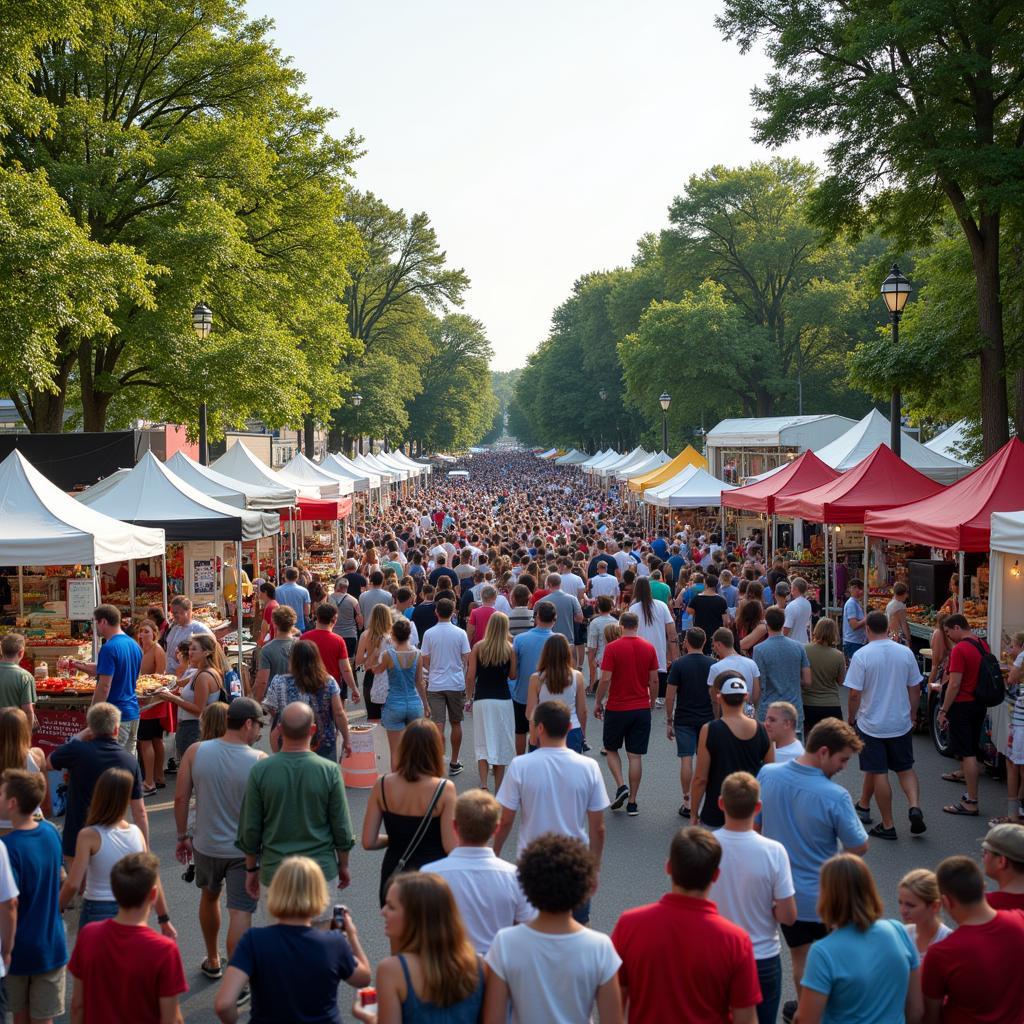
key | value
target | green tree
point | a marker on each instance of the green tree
(503, 384)
(921, 104)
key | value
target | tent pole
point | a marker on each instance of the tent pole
(277, 555)
(960, 568)
(131, 587)
(96, 601)
(864, 568)
(826, 602)
(163, 576)
(238, 601)
(21, 590)
(775, 522)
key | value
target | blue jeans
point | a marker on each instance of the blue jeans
(96, 910)
(582, 913)
(573, 740)
(769, 974)
(851, 647)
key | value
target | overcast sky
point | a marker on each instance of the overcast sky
(542, 138)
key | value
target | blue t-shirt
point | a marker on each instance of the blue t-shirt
(527, 646)
(36, 861)
(731, 594)
(660, 548)
(121, 658)
(853, 610)
(811, 816)
(864, 974)
(296, 598)
(780, 660)
(677, 562)
(294, 973)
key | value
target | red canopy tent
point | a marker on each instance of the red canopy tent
(959, 518)
(800, 475)
(882, 480)
(327, 509)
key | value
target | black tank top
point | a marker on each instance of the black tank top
(492, 682)
(729, 754)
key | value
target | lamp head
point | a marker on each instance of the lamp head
(665, 401)
(202, 320)
(357, 400)
(895, 291)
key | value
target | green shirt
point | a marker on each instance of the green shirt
(661, 591)
(17, 687)
(294, 805)
(827, 664)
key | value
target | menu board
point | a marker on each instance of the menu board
(204, 582)
(81, 600)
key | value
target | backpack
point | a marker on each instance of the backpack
(990, 689)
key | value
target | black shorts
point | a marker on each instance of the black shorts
(579, 634)
(522, 722)
(803, 933)
(966, 719)
(150, 729)
(892, 754)
(632, 727)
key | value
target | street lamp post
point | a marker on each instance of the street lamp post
(665, 401)
(357, 400)
(603, 395)
(895, 292)
(202, 324)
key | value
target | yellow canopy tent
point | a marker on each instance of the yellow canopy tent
(689, 456)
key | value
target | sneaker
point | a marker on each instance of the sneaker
(243, 997)
(881, 832)
(621, 796)
(455, 768)
(789, 1011)
(587, 747)
(864, 813)
(632, 810)
(917, 825)
(660, 702)
(684, 811)
(172, 767)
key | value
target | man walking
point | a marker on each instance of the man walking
(807, 813)
(854, 620)
(183, 628)
(688, 706)
(780, 724)
(602, 583)
(730, 661)
(334, 652)
(485, 887)
(709, 609)
(294, 804)
(568, 612)
(17, 685)
(798, 613)
(217, 771)
(293, 595)
(629, 679)
(555, 790)
(275, 656)
(783, 666)
(528, 647)
(884, 681)
(445, 653)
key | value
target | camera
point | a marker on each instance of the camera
(338, 917)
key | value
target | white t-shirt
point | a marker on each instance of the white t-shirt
(754, 871)
(445, 644)
(8, 889)
(788, 752)
(552, 979)
(883, 671)
(553, 789)
(746, 667)
(572, 585)
(654, 632)
(606, 584)
(798, 619)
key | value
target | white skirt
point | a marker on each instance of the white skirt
(494, 731)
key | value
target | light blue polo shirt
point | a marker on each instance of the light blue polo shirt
(853, 610)
(527, 646)
(813, 818)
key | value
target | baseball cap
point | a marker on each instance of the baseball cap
(734, 685)
(1005, 840)
(242, 709)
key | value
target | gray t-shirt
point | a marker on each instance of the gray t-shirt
(369, 599)
(276, 656)
(347, 606)
(567, 608)
(220, 773)
(178, 635)
(780, 660)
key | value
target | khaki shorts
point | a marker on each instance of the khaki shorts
(447, 704)
(213, 872)
(128, 736)
(41, 994)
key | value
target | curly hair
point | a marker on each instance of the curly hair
(557, 873)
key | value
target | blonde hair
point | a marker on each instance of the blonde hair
(826, 633)
(612, 632)
(1018, 638)
(213, 722)
(379, 628)
(495, 648)
(923, 884)
(433, 930)
(298, 889)
(848, 893)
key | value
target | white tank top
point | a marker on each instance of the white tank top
(115, 843)
(567, 696)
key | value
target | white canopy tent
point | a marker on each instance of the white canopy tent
(609, 469)
(594, 460)
(593, 468)
(227, 489)
(338, 465)
(41, 525)
(652, 462)
(388, 459)
(573, 457)
(548, 454)
(864, 437)
(240, 464)
(301, 472)
(693, 487)
(397, 475)
(387, 476)
(403, 460)
(950, 442)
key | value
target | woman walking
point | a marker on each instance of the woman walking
(556, 679)
(920, 904)
(17, 752)
(415, 803)
(828, 670)
(152, 718)
(204, 687)
(492, 662)
(368, 653)
(407, 692)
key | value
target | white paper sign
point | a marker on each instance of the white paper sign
(204, 583)
(81, 600)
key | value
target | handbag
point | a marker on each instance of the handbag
(379, 687)
(421, 831)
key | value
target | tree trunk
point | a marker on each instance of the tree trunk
(308, 429)
(47, 411)
(994, 406)
(337, 439)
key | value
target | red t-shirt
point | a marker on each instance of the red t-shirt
(268, 612)
(630, 659)
(538, 595)
(966, 659)
(682, 962)
(478, 619)
(125, 971)
(332, 650)
(1005, 900)
(973, 971)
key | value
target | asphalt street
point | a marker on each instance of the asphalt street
(633, 870)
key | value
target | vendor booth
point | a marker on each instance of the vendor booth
(606, 472)
(594, 467)
(642, 467)
(223, 488)
(692, 489)
(57, 546)
(573, 457)
(689, 456)
(587, 464)
(549, 454)
(1005, 605)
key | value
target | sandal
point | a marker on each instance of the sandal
(213, 973)
(953, 776)
(148, 790)
(992, 822)
(959, 808)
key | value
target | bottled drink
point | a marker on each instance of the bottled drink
(236, 687)
(368, 1000)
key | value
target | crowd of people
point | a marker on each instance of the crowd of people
(533, 603)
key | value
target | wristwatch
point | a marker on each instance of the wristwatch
(253, 870)
(163, 918)
(186, 835)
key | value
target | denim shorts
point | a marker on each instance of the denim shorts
(96, 910)
(686, 740)
(396, 715)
